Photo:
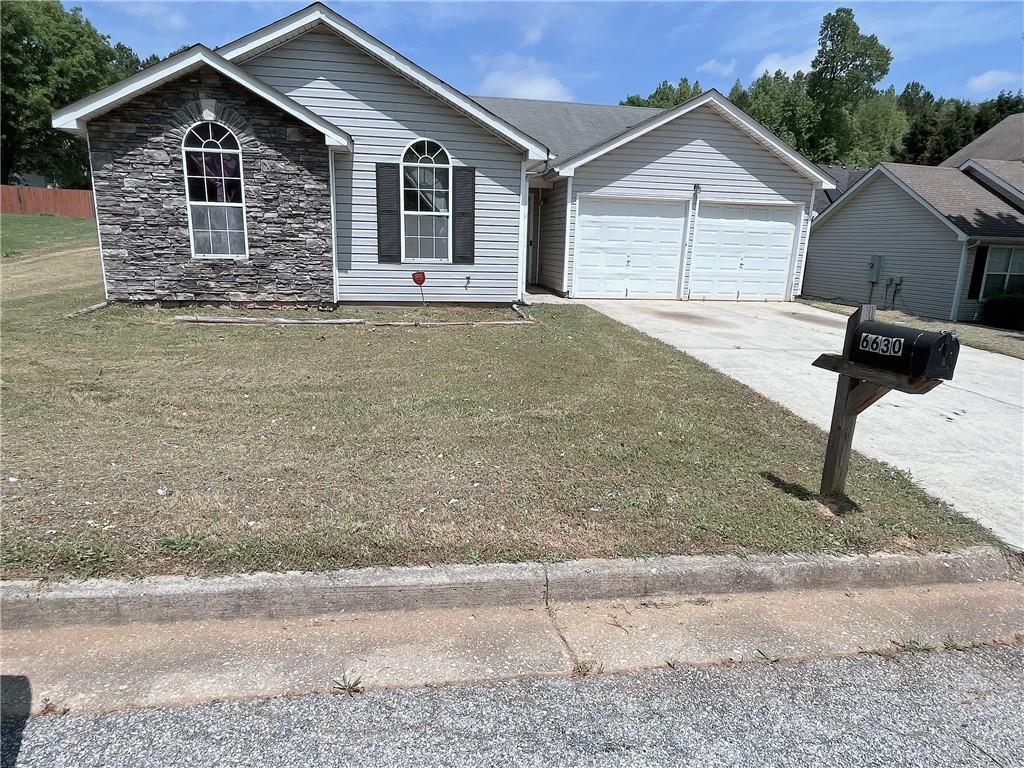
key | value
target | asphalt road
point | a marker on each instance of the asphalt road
(922, 709)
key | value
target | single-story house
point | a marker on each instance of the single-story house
(935, 241)
(307, 161)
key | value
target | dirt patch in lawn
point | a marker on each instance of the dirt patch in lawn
(136, 445)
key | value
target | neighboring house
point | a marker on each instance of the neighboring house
(844, 176)
(309, 162)
(935, 241)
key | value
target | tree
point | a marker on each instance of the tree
(781, 103)
(879, 126)
(739, 96)
(666, 95)
(918, 104)
(50, 57)
(844, 73)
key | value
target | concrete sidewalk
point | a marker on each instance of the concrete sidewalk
(98, 668)
(963, 442)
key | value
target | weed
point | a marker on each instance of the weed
(347, 685)
(586, 667)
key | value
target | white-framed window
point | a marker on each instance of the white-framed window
(216, 196)
(426, 203)
(1004, 271)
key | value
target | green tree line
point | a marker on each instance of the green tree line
(836, 114)
(49, 58)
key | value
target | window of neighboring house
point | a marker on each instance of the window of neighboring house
(1004, 271)
(426, 215)
(213, 179)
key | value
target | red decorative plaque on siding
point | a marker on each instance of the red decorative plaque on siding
(419, 277)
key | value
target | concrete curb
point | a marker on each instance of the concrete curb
(29, 604)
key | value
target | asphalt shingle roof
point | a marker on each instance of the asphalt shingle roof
(963, 201)
(566, 127)
(1003, 141)
(844, 176)
(1010, 171)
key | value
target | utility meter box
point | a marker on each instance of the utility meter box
(917, 354)
(875, 269)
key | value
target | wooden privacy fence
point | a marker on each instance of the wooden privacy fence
(76, 203)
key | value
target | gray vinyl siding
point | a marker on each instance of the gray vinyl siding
(700, 147)
(384, 112)
(552, 236)
(881, 219)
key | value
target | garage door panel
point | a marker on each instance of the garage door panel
(632, 249)
(742, 251)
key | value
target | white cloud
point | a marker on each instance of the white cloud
(993, 80)
(160, 14)
(788, 64)
(716, 67)
(534, 29)
(522, 77)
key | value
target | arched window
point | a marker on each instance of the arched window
(213, 179)
(426, 216)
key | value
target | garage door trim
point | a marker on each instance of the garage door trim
(799, 208)
(685, 207)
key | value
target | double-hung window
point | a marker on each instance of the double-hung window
(213, 181)
(1004, 271)
(426, 213)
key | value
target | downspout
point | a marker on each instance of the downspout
(959, 289)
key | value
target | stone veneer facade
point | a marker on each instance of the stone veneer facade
(139, 183)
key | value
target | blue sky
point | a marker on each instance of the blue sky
(600, 52)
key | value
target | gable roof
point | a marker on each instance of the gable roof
(567, 127)
(318, 14)
(726, 109)
(1003, 141)
(1004, 177)
(845, 176)
(958, 201)
(74, 117)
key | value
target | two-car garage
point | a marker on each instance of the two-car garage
(634, 248)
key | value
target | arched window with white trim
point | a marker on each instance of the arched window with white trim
(426, 210)
(213, 181)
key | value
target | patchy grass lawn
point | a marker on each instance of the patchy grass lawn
(22, 233)
(134, 445)
(1000, 340)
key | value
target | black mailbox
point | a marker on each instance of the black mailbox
(914, 353)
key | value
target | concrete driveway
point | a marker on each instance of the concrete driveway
(963, 441)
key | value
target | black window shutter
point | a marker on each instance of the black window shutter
(978, 273)
(464, 214)
(389, 225)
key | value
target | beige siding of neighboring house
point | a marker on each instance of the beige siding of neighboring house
(883, 220)
(700, 147)
(552, 236)
(384, 112)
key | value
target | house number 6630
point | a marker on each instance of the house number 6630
(881, 345)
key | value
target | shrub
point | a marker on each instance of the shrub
(1004, 310)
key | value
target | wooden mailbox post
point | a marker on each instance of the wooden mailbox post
(861, 385)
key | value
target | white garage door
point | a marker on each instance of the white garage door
(742, 251)
(628, 249)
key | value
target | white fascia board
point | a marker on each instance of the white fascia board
(728, 110)
(977, 169)
(74, 117)
(881, 169)
(300, 21)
